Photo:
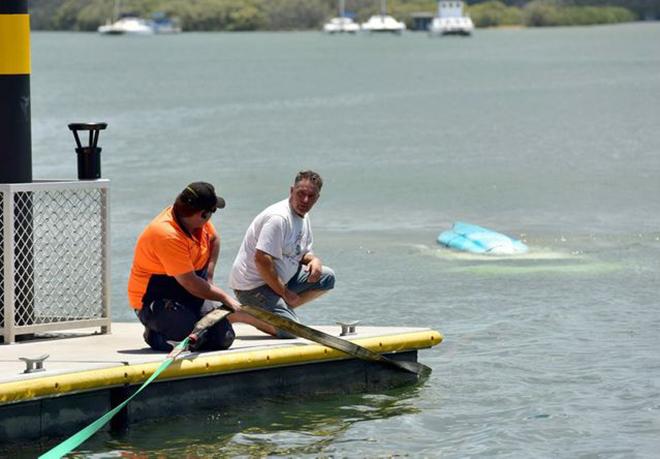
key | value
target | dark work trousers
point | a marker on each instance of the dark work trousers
(167, 320)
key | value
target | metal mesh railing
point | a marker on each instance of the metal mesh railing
(54, 245)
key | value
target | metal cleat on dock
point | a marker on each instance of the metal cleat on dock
(34, 365)
(348, 328)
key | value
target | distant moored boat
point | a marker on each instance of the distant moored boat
(451, 20)
(383, 22)
(127, 25)
(341, 23)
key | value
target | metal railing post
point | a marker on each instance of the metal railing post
(8, 235)
(105, 248)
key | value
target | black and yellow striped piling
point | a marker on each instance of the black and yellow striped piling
(15, 133)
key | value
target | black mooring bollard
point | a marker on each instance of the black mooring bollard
(89, 157)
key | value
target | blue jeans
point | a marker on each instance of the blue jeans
(267, 299)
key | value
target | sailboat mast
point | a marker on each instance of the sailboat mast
(115, 11)
(342, 8)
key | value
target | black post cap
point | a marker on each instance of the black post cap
(93, 129)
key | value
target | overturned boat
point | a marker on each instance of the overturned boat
(475, 239)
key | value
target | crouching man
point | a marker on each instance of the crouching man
(171, 281)
(275, 267)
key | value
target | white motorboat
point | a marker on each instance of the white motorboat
(451, 20)
(127, 25)
(342, 23)
(383, 22)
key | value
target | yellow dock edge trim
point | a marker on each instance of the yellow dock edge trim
(14, 44)
(201, 365)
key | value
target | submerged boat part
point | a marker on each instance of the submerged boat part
(475, 239)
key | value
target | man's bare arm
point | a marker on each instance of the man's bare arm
(266, 267)
(213, 258)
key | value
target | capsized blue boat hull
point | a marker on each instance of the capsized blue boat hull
(475, 239)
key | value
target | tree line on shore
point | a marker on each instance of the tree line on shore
(541, 13)
(238, 15)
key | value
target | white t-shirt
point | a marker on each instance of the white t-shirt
(279, 232)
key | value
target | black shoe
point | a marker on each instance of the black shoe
(156, 341)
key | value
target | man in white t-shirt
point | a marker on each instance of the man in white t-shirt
(275, 267)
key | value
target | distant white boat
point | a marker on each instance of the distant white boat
(342, 23)
(451, 20)
(383, 22)
(127, 25)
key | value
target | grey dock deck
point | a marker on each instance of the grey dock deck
(87, 375)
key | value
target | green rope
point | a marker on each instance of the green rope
(75, 440)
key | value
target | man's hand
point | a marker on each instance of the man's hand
(315, 269)
(232, 304)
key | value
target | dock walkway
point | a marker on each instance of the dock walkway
(87, 375)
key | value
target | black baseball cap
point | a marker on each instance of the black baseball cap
(201, 195)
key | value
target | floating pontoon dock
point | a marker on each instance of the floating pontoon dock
(86, 375)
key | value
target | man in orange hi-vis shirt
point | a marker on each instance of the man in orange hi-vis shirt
(171, 282)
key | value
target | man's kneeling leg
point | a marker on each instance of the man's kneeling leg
(299, 284)
(219, 336)
(166, 320)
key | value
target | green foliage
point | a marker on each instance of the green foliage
(66, 16)
(310, 14)
(494, 14)
(402, 10)
(248, 17)
(89, 16)
(215, 14)
(545, 13)
(296, 14)
(542, 13)
(588, 15)
(42, 13)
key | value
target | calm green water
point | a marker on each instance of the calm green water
(550, 134)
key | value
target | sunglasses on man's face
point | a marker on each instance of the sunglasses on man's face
(207, 213)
